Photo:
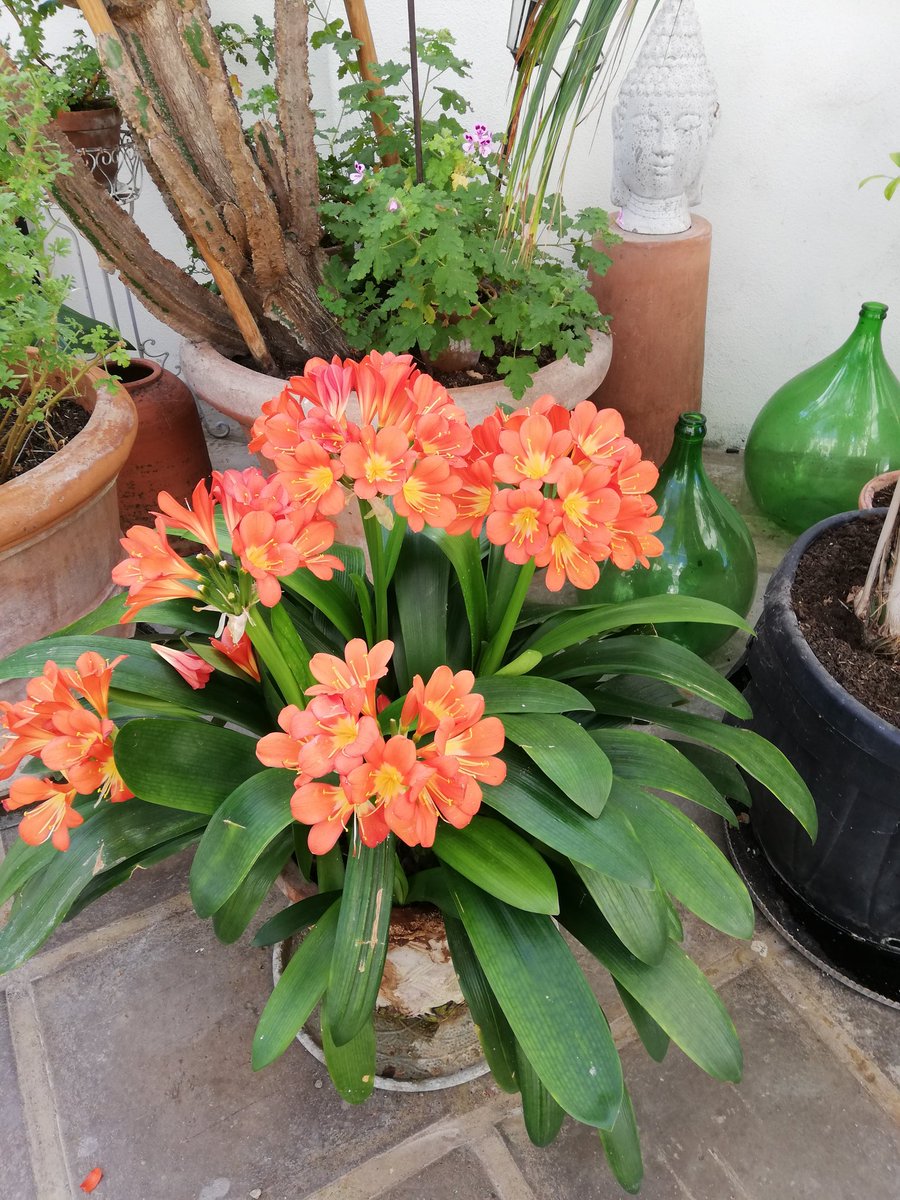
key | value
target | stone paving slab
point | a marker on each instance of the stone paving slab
(799, 1125)
(457, 1176)
(148, 1043)
(15, 1159)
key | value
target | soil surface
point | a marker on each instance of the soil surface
(883, 496)
(834, 564)
(66, 419)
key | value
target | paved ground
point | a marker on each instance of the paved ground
(125, 1044)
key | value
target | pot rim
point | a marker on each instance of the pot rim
(858, 724)
(85, 466)
(253, 388)
(437, 1083)
(875, 484)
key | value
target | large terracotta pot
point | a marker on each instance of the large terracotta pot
(240, 393)
(59, 525)
(96, 132)
(169, 453)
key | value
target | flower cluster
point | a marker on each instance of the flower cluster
(430, 769)
(70, 739)
(479, 140)
(403, 438)
(271, 535)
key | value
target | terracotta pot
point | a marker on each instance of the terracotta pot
(169, 453)
(867, 495)
(458, 355)
(239, 393)
(98, 130)
(425, 1037)
(59, 526)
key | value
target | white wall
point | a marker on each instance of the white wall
(809, 103)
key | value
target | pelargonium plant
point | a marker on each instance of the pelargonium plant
(417, 728)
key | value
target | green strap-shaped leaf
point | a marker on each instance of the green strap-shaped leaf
(654, 657)
(232, 919)
(494, 1033)
(361, 946)
(688, 865)
(557, 633)
(106, 881)
(566, 754)
(178, 614)
(650, 762)
(238, 833)
(294, 919)
(542, 1115)
(501, 862)
(420, 589)
(110, 836)
(622, 1147)
(527, 693)
(143, 672)
(655, 1040)
(553, 1013)
(465, 556)
(329, 598)
(755, 754)
(298, 991)
(675, 992)
(184, 764)
(719, 770)
(638, 915)
(607, 843)
(352, 1064)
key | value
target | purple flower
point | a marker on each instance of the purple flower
(356, 175)
(479, 139)
(393, 204)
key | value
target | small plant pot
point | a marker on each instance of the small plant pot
(425, 1037)
(870, 490)
(849, 759)
(96, 133)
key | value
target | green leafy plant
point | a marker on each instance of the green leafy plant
(893, 182)
(44, 352)
(77, 70)
(418, 263)
(414, 730)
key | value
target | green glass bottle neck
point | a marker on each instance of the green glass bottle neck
(865, 340)
(686, 456)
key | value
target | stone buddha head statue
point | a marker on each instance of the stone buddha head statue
(662, 122)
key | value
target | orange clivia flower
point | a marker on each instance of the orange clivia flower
(53, 816)
(327, 808)
(312, 478)
(270, 548)
(194, 670)
(199, 520)
(534, 453)
(239, 652)
(424, 498)
(153, 571)
(379, 462)
(587, 502)
(635, 475)
(633, 532)
(355, 677)
(445, 697)
(598, 434)
(565, 558)
(474, 499)
(519, 522)
(91, 677)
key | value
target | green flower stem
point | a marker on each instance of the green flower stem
(501, 582)
(270, 653)
(492, 657)
(375, 542)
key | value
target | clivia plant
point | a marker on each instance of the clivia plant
(419, 729)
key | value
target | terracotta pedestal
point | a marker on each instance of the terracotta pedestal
(655, 292)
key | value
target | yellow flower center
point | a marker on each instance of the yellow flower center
(525, 523)
(379, 468)
(387, 782)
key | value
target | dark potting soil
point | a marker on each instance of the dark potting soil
(66, 419)
(883, 496)
(485, 371)
(833, 565)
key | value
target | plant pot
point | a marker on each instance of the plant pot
(425, 1038)
(458, 355)
(850, 760)
(96, 133)
(169, 452)
(239, 393)
(59, 526)
(867, 495)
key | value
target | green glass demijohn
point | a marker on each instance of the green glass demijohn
(827, 431)
(708, 549)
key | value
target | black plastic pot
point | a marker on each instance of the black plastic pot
(850, 760)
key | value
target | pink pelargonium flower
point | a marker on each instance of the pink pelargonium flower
(478, 140)
(393, 205)
(358, 173)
